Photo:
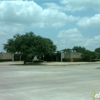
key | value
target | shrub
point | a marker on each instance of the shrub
(66, 59)
(4, 60)
(77, 59)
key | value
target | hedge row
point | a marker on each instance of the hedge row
(66, 59)
(3, 60)
(77, 59)
(74, 60)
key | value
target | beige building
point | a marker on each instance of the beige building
(70, 55)
(6, 56)
(18, 57)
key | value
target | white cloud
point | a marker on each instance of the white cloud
(9, 30)
(92, 21)
(94, 41)
(19, 12)
(29, 13)
(70, 38)
(74, 5)
(16, 16)
(73, 37)
(53, 5)
(63, 7)
(71, 34)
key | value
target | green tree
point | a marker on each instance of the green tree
(97, 50)
(79, 49)
(68, 50)
(89, 55)
(29, 45)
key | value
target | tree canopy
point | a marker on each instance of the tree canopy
(68, 50)
(88, 55)
(29, 45)
(97, 50)
(79, 49)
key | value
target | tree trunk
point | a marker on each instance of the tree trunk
(24, 62)
(24, 59)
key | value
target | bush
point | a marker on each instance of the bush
(4, 60)
(94, 60)
(77, 59)
(66, 59)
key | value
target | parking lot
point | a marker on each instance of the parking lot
(36, 82)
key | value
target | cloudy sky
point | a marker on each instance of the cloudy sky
(67, 23)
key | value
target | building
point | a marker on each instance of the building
(70, 56)
(6, 57)
(58, 56)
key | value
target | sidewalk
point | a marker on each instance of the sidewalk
(48, 63)
(45, 63)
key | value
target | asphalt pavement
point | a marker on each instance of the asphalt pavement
(36, 82)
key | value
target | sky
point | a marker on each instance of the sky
(67, 23)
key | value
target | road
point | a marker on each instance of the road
(35, 82)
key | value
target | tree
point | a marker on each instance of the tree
(29, 45)
(97, 50)
(89, 55)
(79, 49)
(68, 50)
